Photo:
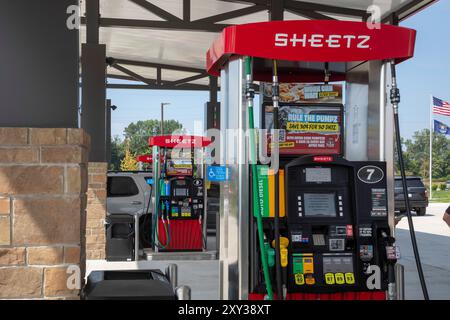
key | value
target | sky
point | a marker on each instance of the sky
(428, 73)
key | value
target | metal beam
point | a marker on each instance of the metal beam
(187, 10)
(133, 74)
(314, 7)
(212, 108)
(276, 11)
(92, 21)
(156, 10)
(311, 14)
(158, 65)
(162, 25)
(160, 82)
(159, 76)
(410, 9)
(259, 2)
(120, 77)
(189, 79)
(233, 14)
(309, 6)
(108, 131)
(186, 87)
(214, 87)
(93, 116)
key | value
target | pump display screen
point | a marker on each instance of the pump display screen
(318, 174)
(181, 192)
(320, 205)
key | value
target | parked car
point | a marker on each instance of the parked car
(130, 193)
(448, 185)
(417, 194)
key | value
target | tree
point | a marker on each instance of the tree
(129, 162)
(406, 159)
(136, 140)
(117, 153)
(417, 155)
(138, 133)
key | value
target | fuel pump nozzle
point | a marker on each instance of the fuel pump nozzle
(391, 257)
(284, 258)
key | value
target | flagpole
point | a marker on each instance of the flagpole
(431, 148)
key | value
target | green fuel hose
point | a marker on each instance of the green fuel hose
(255, 193)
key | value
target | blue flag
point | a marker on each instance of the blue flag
(440, 127)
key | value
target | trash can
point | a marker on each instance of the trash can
(128, 285)
(120, 237)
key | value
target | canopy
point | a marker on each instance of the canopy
(144, 35)
(315, 41)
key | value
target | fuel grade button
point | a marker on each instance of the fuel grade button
(340, 279)
(329, 278)
(350, 278)
(299, 279)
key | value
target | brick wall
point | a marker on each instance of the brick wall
(96, 211)
(43, 183)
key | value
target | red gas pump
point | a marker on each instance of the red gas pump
(180, 194)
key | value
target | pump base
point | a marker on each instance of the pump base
(185, 235)
(364, 295)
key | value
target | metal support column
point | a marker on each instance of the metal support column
(212, 111)
(276, 11)
(39, 77)
(93, 64)
(212, 121)
(108, 130)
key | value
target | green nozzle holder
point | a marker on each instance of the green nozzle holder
(270, 255)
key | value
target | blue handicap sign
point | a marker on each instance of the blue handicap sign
(218, 173)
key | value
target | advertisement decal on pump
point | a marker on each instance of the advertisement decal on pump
(310, 118)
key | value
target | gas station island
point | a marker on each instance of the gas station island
(299, 156)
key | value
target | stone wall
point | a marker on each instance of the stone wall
(96, 211)
(43, 183)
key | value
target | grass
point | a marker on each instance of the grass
(441, 196)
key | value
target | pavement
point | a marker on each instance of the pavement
(433, 238)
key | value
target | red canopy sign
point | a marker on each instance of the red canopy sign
(311, 40)
(145, 159)
(179, 141)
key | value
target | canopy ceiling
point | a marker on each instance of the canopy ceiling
(174, 35)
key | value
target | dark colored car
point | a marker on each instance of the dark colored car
(417, 194)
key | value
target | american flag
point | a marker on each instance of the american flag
(441, 107)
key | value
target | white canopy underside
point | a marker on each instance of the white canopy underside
(188, 48)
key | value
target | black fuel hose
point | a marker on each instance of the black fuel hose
(395, 100)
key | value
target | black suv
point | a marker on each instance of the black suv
(417, 194)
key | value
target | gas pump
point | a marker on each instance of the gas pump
(337, 215)
(317, 221)
(179, 222)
